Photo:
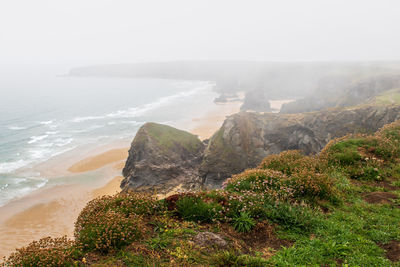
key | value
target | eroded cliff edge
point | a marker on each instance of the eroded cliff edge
(162, 157)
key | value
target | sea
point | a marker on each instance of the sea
(45, 113)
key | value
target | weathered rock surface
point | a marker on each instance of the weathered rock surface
(161, 158)
(246, 138)
(208, 239)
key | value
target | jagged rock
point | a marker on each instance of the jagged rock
(246, 138)
(208, 239)
(161, 158)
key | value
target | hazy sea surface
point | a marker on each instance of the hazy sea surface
(43, 114)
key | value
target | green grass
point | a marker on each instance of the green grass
(388, 98)
(168, 137)
(348, 235)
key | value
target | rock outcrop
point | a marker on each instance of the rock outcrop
(246, 138)
(161, 158)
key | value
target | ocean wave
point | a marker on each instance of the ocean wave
(63, 151)
(46, 122)
(34, 139)
(143, 109)
(135, 123)
(63, 141)
(88, 129)
(9, 167)
(52, 132)
(17, 128)
(12, 190)
(87, 118)
(39, 154)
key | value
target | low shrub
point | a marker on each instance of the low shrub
(45, 252)
(289, 162)
(193, 208)
(108, 231)
(232, 258)
(304, 185)
(293, 218)
(243, 223)
(313, 186)
(267, 182)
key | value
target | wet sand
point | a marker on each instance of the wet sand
(53, 211)
(98, 161)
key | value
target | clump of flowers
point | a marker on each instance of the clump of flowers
(45, 252)
(302, 184)
(111, 222)
(289, 162)
(108, 231)
(365, 157)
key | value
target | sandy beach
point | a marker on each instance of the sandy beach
(52, 211)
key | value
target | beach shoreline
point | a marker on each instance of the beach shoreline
(52, 211)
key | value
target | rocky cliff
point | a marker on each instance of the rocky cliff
(162, 157)
(246, 138)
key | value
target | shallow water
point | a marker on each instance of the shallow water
(43, 114)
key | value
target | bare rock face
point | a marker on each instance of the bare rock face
(246, 138)
(161, 158)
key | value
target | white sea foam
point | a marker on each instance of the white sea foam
(141, 110)
(87, 118)
(135, 123)
(39, 153)
(88, 129)
(17, 190)
(34, 139)
(63, 151)
(16, 128)
(9, 167)
(63, 141)
(52, 132)
(46, 122)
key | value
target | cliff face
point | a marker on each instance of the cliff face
(246, 138)
(162, 157)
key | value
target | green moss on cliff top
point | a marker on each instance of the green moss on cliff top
(168, 137)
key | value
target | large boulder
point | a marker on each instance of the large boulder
(161, 158)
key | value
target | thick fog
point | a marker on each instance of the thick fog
(82, 32)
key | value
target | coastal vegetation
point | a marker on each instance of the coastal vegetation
(340, 207)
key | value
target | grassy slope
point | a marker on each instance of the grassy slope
(340, 208)
(168, 137)
(388, 98)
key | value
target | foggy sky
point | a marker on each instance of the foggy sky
(82, 32)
